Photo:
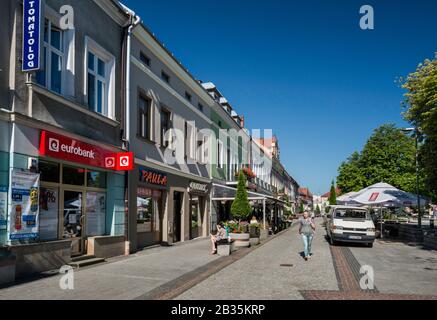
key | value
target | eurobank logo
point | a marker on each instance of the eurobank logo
(61, 147)
(54, 145)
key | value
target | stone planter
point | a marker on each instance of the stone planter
(254, 241)
(241, 240)
(263, 234)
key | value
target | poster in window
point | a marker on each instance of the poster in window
(3, 207)
(95, 212)
(24, 210)
(49, 214)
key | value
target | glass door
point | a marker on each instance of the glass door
(74, 220)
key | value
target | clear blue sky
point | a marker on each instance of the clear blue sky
(302, 68)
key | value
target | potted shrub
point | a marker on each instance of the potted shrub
(241, 210)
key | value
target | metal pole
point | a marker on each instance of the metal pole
(419, 221)
(264, 213)
(380, 210)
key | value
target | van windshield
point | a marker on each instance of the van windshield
(351, 214)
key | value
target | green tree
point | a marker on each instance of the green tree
(350, 177)
(241, 208)
(301, 208)
(318, 210)
(333, 195)
(421, 110)
(388, 156)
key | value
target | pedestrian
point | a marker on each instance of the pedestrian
(218, 237)
(306, 231)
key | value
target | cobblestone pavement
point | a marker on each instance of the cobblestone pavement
(400, 268)
(259, 275)
(273, 270)
(125, 278)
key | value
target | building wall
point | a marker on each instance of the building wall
(90, 21)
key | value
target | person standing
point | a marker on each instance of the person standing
(306, 230)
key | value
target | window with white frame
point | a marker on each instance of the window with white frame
(190, 140)
(144, 117)
(100, 79)
(52, 60)
(200, 150)
(220, 154)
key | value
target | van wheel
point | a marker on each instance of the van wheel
(370, 245)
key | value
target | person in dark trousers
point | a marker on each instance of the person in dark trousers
(306, 230)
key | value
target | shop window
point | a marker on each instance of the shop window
(148, 210)
(73, 176)
(49, 214)
(49, 171)
(96, 179)
(95, 213)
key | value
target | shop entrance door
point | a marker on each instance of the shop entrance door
(74, 220)
(177, 216)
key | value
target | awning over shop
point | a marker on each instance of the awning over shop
(226, 193)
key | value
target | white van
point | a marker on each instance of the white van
(350, 224)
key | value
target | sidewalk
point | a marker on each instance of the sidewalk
(122, 278)
(259, 275)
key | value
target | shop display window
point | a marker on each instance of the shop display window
(73, 176)
(49, 171)
(96, 179)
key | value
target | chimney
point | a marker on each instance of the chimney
(242, 121)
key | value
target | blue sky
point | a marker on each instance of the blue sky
(302, 68)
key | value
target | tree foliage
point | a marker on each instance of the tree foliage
(241, 208)
(332, 195)
(388, 156)
(301, 208)
(421, 111)
(318, 211)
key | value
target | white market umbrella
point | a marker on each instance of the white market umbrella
(384, 194)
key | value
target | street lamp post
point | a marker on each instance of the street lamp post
(416, 140)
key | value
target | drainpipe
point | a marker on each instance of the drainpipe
(134, 21)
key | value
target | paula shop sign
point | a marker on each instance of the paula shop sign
(65, 148)
(153, 177)
(31, 35)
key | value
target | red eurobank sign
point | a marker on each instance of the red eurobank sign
(61, 147)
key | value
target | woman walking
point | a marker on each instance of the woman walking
(306, 230)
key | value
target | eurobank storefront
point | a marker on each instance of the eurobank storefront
(61, 196)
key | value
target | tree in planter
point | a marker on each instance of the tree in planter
(333, 195)
(318, 210)
(241, 208)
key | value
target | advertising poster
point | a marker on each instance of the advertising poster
(25, 205)
(48, 215)
(96, 212)
(3, 207)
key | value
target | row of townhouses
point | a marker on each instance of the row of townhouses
(109, 145)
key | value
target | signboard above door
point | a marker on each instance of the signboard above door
(65, 148)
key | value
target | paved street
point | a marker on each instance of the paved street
(260, 275)
(274, 270)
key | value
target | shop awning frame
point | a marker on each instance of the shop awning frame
(251, 196)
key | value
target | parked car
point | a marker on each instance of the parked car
(350, 224)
